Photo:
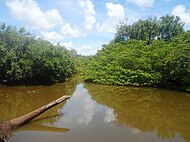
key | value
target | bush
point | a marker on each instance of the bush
(165, 64)
(26, 59)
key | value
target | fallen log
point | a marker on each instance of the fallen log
(6, 127)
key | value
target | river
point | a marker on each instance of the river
(98, 113)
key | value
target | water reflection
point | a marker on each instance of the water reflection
(110, 116)
(159, 111)
(82, 106)
(18, 100)
(80, 110)
(100, 113)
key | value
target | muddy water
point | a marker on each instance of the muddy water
(97, 113)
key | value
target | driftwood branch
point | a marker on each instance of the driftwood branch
(7, 126)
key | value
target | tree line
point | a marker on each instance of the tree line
(164, 28)
(147, 53)
(27, 59)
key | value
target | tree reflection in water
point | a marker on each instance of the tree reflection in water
(99, 113)
(146, 109)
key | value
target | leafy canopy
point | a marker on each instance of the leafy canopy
(26, 59)
(148, 53)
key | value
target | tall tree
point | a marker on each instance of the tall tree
(121, 34)
(150, 29)
(169, 27)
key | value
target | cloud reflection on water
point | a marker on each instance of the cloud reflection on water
(82, 109)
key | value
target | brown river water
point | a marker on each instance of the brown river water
(98, 113)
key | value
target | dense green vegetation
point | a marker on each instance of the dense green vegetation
(161, 59)
(150, 52)
(26, 59)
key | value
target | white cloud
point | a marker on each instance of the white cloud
(53, 36)
(182, 12)
(69, 45)
(115, 10)
(81, 49)
(115, 14)
(142, 3)
(53, 17)
(132, 16)
(68, 31)
(30, 12)
(89, 13)
(86, 50)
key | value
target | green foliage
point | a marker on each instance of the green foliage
(149, 52)
(149, 29)
(26, 59)
(162, 63)
(81, 62)
(177, 63)
(169, 27)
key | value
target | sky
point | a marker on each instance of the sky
(84, 25)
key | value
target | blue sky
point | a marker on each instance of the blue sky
(84, 25)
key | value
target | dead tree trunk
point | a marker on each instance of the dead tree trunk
(16, 122)
(7, 126)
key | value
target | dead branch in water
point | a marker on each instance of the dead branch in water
(6, 127)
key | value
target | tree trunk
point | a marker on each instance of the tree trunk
(7, 126)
